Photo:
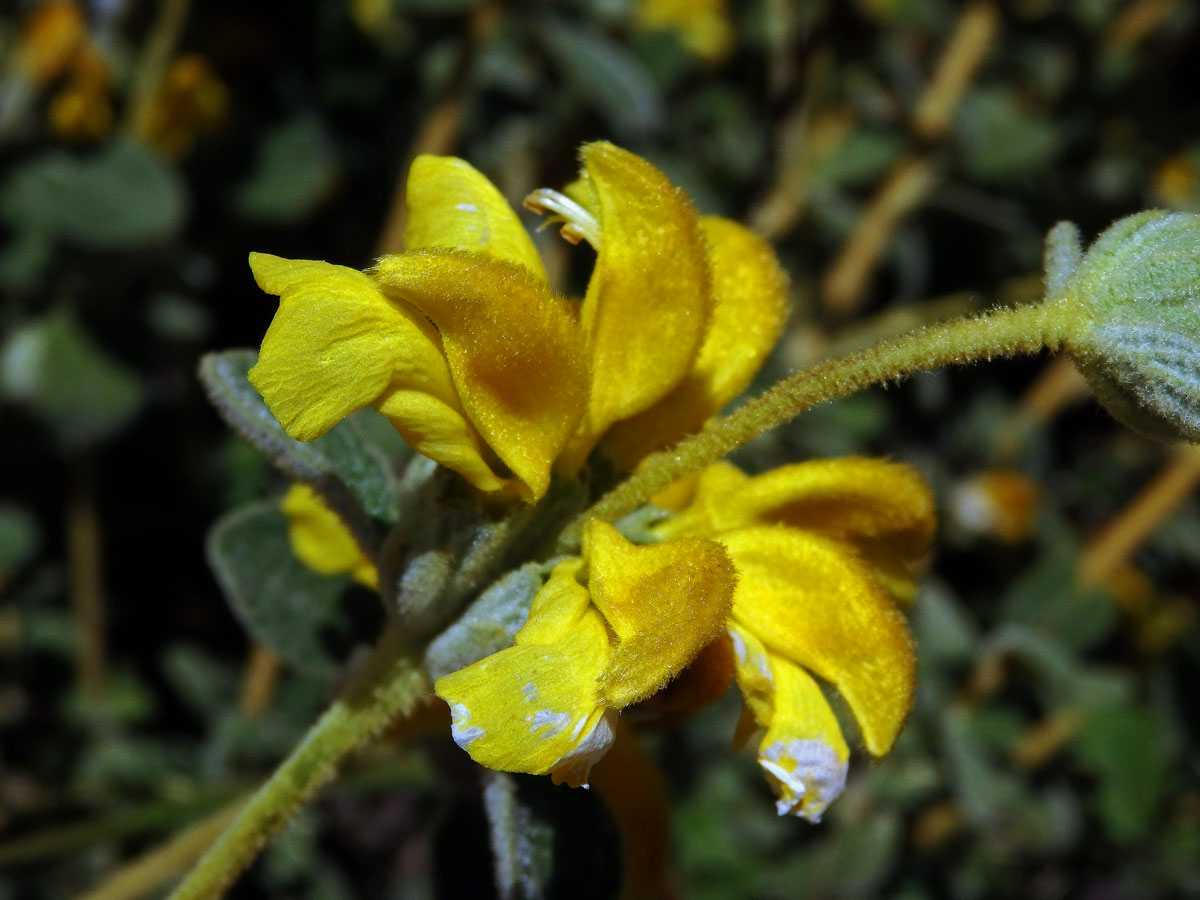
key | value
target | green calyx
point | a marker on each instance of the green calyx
(1130, 316)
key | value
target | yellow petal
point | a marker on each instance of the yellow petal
(648, 301)
(811, 599)
(665, 602)
(803, 752)
(749, 290)
(703, 25)
(321, 541)
(852, 499)
(558, 607)
(335, 344)
(699, 508)
(440, 431)
(534, 707)
(452, 206)
(514, 349)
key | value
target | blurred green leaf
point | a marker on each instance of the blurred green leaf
(1122, 746)
(1046, 597)
(281, 603)
(123, 196)
(944, 633)
(19, 538)
(522, 841)
(52, 366)
(862, 158)
(606, 76)
(205, 684)
(1000, 140)
(296, 169)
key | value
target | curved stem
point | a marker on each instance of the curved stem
(1005, 332)
(389, 685)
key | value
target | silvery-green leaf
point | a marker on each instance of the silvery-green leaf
(281, 603)
(357, 454)
(488, 625)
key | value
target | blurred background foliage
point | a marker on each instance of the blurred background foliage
(905, 157)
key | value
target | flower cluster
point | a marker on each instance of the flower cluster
(461, 343)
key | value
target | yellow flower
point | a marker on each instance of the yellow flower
(823, 552)
(608, 629)
(461, 343)
(320, 540)
(191, 101)
(702, 25)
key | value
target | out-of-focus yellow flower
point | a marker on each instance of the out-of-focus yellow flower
(702, 25)
(1176, 183)
(1000, 503)
(321, 541)
(191, 101)
(82, 110)
(461, 343)
(823, 551)
(608, 629)
(53, 36)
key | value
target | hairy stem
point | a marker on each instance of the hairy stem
(390, 685)
(1005, 332)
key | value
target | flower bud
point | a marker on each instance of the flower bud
(1132, 310)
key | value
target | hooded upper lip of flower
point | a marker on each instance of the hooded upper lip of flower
(461, 343)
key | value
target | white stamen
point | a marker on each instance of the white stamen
(580, 224)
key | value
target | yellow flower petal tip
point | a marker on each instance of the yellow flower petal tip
(803, 753)
(452, 206)
(648, 300)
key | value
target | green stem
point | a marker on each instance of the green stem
(1004, 332)
(389, 685)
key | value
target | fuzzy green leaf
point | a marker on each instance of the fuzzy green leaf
(356, 454)
(281, 603)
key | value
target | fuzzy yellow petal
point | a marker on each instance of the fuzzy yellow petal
(852, 499)
(558, 606)
(811, 599)
(665, 603)
(321, 541)
(803, 751)
(749, 306)
(514, 349)
(697, 501)
(452, 206)
(335, 344)
(648, 301)
(534, 707)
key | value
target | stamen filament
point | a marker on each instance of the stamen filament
(580, 224)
